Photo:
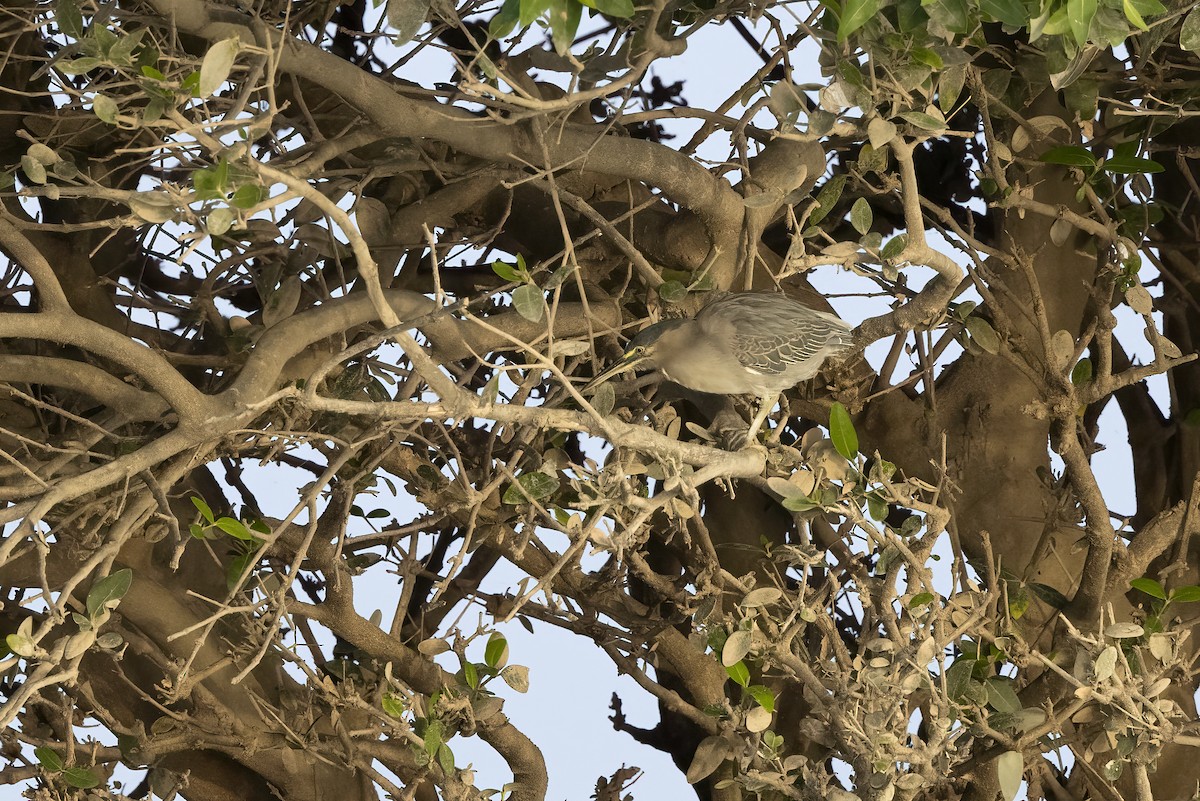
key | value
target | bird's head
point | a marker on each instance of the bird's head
(641, 352)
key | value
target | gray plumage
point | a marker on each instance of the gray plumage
(746, 343)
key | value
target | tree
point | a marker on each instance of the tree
(247, 238)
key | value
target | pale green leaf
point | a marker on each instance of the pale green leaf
(736, 647)
(217, 64)
(407, 17)
(1010, 767)
(105, 108)
(529, 302)
(1189, 34)
(855, 14)
(108, 591)
(712, 751)
(517, 677)
(861, 216)
(983, 334)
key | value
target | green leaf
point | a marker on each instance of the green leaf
(1149, 8)
(1070, 155)
(49, 759)
(445, 759)
(762, 696)
(1082, 372)
(930, 58)
(739, 673)
(1185, 595)
(958, 677)
(1189, 34)
(435, 737)
(529, 302)
(953, 15)
(861, 215)
(983, 334)
(392, 705)
(191, 84)
(827, 198)
(798, 503)
(672, 291)
(105, 108)
(235, 528)
(536, 486)
(248, 196)
(1131, 165)
(237, 567)
(1080, 14)
(613, 8)
(950, 86)
(69, 18)
(108, 591)
(1135, 19)
(471, 675)
(1001, 696)
(83, 778)
(407, 17)
(122, 52)
(217, 64)
(924, 121)
(841, 431)
(1010, 12)
(564, 22)
(1048, 595)
(855, 14)
(79, 66)
(496, 652)
(507, 271)
(920, 599)
(877, 508)
(505, 22)
(894, 247)
(1149, 586)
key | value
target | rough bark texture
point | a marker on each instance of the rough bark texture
(190, 309)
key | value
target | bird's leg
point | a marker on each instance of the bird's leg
(783, 419)
(764, 409)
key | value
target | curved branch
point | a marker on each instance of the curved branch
(133, 403)
(69, 329)
(338, 615)
(934, 296)
(20, 249)
(681, 178)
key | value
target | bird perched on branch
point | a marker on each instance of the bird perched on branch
(746, 343)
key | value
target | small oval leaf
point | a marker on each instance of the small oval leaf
(841, 431)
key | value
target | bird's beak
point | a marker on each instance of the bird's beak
(624, 364)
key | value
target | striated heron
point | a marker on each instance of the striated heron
(745, 343)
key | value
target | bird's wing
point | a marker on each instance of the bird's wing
(770, 332)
